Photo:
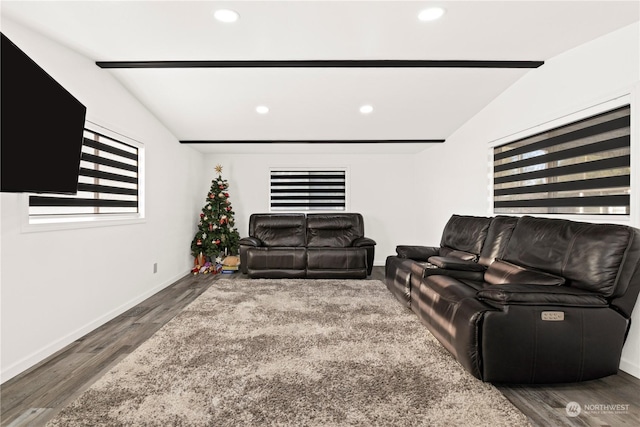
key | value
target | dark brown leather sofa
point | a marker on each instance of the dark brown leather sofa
(524, 300)
(313, 245)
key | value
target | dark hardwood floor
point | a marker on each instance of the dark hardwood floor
(35, 396)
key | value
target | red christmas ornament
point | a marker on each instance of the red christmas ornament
(211, 196)
(199, 242)
(228, 208)
(221, 187)
(217, 241)
(210, 227)
(201, 215)
(223, 220)
(226, 194)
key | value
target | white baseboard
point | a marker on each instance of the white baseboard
(630, 367)
(48, 350)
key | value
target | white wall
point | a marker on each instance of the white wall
(382, 188)
(59, 285)
(583, 77)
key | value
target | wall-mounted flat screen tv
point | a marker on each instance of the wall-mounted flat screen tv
(41, 128)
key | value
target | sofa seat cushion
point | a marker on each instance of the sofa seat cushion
(276, 258)
(449, 288)
(541, 295)
(336, 258)
(505, 273)
(436, 299)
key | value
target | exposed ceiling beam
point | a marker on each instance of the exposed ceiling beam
(319, 141)
(371, 63)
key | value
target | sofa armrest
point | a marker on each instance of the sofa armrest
(417, 253)
(250, 241)
(475, 276)
(540, 295)
(363, 241)
(452, 263)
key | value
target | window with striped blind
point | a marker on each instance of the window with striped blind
(579, 168)
(308, 190)
(108, 183)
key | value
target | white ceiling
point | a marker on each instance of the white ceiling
(319, 103)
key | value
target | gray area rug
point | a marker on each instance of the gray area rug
(291, 353)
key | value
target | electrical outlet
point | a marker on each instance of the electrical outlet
(155, 267)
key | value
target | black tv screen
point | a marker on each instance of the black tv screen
(41, 128)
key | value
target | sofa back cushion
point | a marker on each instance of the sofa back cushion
(334, 230)
(465, 233)
(589, 256)
(497, 239)
(285, 230)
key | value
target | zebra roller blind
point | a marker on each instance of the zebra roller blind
(579, 168)
(107, 184)
(308, 190)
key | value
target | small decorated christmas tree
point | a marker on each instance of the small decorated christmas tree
(216, 236)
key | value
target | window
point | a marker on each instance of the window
(580, 168)
(108, 184)
(308, 190)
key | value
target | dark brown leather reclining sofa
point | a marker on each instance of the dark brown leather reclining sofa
(324, 246)
(524, 300)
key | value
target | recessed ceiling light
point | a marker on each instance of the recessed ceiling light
(262, 109)
(226, 15)
(431, 14)
(366, 109)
